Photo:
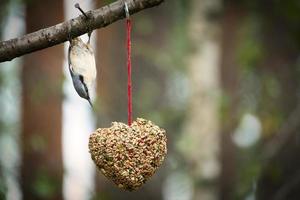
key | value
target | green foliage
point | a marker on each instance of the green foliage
(249, 167)
(166, 59)
(2, 186)
(262, 87)
(45, 185)
(107, 1)
(38, 143)
(250, 50)
(179, 44)
(4, 7)
(282, 13)
(289, 10)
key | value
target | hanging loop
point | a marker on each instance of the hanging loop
(127, 11)
(129, 82)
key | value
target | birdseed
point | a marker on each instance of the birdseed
(128, 155)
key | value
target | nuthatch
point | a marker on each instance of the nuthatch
(82, 67)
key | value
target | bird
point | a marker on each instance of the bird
(82, 67)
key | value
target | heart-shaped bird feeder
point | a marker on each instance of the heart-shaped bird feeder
(128, 155)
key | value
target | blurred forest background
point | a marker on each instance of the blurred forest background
(221, 76)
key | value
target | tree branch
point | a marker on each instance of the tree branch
(60, 33)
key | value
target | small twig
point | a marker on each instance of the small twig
(87, 18)
(79, 8)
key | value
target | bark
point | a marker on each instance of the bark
(42, 169)
(62, 32)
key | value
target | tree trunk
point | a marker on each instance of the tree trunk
(230, 83)
(4, 7)
(280, 174)
(200, 139)
(41, 170)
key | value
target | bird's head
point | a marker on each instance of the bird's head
(76, 41)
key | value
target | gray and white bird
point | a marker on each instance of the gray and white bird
(82, 67)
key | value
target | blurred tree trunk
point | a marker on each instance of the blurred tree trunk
(41, 170)
(4, 7)
(280, 175)
(200, 139)
(232, 19)
(3, 12)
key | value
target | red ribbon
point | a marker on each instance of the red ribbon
(129, 86)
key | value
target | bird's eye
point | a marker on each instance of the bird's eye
(81, 78)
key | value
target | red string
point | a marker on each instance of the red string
(129, 88)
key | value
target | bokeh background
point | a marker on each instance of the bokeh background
(221, 76)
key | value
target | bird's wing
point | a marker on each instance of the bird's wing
(83, 63)
(69, 60)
